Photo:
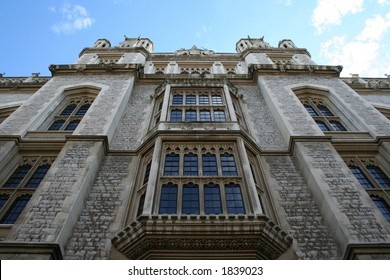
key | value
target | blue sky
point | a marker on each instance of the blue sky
(352, 33)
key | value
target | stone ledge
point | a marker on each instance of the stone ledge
(30, 251)
(211, 236)
(368, 251)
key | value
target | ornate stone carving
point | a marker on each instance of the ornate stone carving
(194, 51)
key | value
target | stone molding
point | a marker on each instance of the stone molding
(30, 250)
(204, 235)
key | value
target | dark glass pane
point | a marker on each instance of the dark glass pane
(209, 165)
(147, 173)
(3, 200)
(228, 165)
(205, 116)
(17, 176)
(176, 116)
(310, 110)
(337, 126)
(216, 100)
(212, 199)
(324, 110)
(322, 126)
(168, 199)
(38, 176)
(382, 206)
(379, 176)
(190, 199)
(234, 201)
(68, 110)
(177, 100)
(141, 205)
(190, 116)
(15, 210)
(171, 166)
(57, 125)
(190, 165)
(190, 100)
(219, 116)
(363, 180)
(204, 100)
(72, 125)
(83, 109)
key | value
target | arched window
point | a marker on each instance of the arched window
(168, 199)
(382, 206)
(322, 114)
(190, 165)
(228, 165)
(176, 115)
(190, 115)
(21, 184)
(379, 176)
(190, 200)
(209, 165)
(171, 166)
(212, 199)
(234, 201)
(362, 178)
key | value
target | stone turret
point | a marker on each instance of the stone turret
(251, 43)
(137, 43)
(286, 44)
(102, 43)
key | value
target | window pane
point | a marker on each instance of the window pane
(219, 116)
(17, 176)
(379, 176)
(190, 116)
(83, 109)
(190, 165)
(212, 199)
(205, 116)
(209, 164)
(168, 199)
(176, 116)
(363, 180)
(68, 110)
(57, 125)
(177, 100)
(216, 100)
(190, 100)
(190, 199)
(234, 202)
(38, 176)
(15, 210)
(141, 205)
(147, 173)
(310, 110)
(228, 165)
(322, 126)
(382, 206)
(171, 166)
(337, 126)
(324, 110)
(72, 125)
(204, 100)
(3, 200)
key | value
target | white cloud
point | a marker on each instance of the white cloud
(330, 12)
(74, 18)
(361, 55)
(203, 31)
(383, 2)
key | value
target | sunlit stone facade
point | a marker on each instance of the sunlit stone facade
(194, 154)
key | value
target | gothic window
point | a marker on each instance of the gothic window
(198, 105)
(70, 116)
(141, 205)
(19, 186)
(190, 199)
(212, 199)
(147, 173)
(209, 165)
(373, 179)
(171, 166)
(196, 174)
(228, 165)
(234, 201)
(322, 115)
(190, 165)
(383, 207)
(168, 200)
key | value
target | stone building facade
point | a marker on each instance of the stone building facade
(194, 154)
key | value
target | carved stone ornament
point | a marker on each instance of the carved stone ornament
(157, 237)
(194, 51)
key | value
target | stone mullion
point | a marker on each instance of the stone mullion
(229, 104)
(165, 106)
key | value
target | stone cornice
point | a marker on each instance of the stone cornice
(23, 82)
(296, 69)
(115, 50)
(204, 235)
(112, 68)
(289, 51)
